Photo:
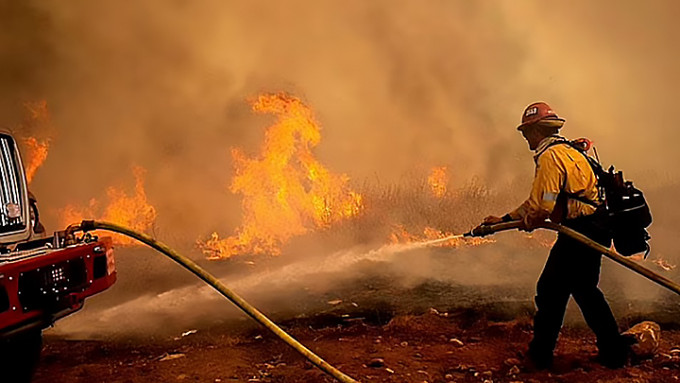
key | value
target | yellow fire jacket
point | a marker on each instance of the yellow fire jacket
(559, 168)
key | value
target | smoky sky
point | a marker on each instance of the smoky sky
(396, 86)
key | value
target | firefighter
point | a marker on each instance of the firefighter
(563, 179)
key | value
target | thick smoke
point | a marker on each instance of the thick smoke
(397, 85)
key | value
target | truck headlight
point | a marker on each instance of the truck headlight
(13, 210)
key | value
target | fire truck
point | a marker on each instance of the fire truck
(42, 278)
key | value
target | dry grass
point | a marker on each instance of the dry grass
(411, 205)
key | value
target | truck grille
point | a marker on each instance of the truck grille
(45, 286)
(11, 203)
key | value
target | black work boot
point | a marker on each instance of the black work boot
(537, 361)
(617, 353)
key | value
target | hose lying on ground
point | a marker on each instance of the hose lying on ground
(609, 253)
(219, 286)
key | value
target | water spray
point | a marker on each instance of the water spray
(208, 278)
(430, 242)
(442, 240)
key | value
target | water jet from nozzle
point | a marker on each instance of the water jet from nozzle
(441, 240)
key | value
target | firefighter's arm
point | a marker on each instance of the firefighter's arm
(548, 181)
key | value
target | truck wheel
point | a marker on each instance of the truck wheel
(19, 356)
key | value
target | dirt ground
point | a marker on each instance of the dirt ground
(432, 347)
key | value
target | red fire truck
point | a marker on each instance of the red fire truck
(42, 278)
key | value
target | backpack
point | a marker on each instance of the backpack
(623, 209)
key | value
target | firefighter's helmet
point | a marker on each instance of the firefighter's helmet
(540, 112)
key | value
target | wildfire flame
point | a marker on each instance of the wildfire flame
(286, 191)
(133, 211)
(438, 180)
(37, 153)
(662, 263)
(36, 119)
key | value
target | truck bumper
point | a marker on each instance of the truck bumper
(37, 290)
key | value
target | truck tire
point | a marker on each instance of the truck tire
(19, 356)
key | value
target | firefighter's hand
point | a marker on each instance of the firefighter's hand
(528, 225)
(492, 220)
(532, 221)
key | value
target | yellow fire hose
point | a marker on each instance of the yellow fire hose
(219, 286)
(609, 253)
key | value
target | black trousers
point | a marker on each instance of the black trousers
(573, 269)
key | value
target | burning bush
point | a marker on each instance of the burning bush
(133, 211)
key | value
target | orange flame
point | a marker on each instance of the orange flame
(662, 263)
(438, 180)
(36, 118)
(133, 211)
(286, 191)
(37, 153)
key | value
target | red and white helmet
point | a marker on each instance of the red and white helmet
(539, 111)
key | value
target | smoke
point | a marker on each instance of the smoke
(396, 85)
(303, 287)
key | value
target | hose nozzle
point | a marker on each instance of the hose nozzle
(480, 231)
(484, 230)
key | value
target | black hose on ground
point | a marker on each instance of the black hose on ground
(220, 287)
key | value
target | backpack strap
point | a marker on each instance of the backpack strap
(556, 142)
(581, 199)
(594, 165)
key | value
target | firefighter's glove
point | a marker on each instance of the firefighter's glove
(532, 221)
(480, 231)
(492, 220)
